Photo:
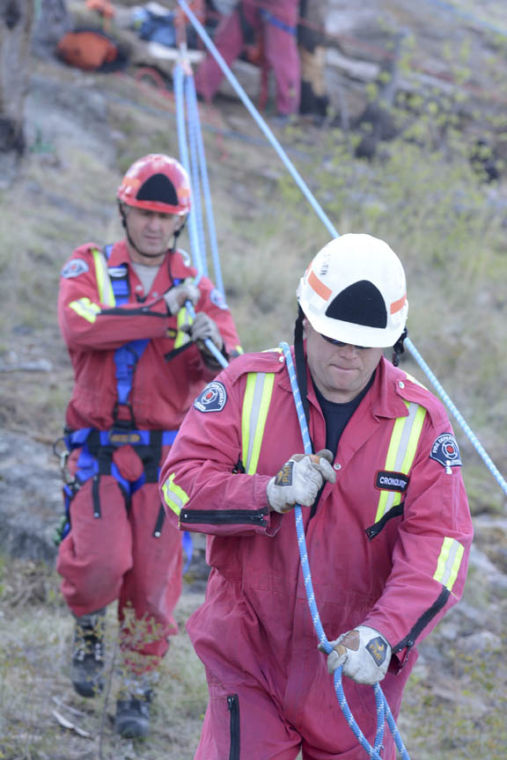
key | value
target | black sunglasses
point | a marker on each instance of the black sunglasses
(341, 343)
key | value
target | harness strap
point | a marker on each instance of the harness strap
(127, 356)
(98, 446)
(275, 21)
(74, 439)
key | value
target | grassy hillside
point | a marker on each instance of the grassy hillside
(448, 228)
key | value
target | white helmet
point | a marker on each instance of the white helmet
(354, 291)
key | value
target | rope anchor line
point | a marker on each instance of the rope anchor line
(195, 165)
(384, 714)
(333, 231)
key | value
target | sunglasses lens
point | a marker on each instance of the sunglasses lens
(340, 343)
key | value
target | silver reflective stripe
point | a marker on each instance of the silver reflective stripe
(256, 401)
(401, 452)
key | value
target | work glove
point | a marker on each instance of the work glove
(300, 480)
(176, 296)
(364, 654)
(204, 328)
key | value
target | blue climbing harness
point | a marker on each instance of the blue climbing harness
(97, 447)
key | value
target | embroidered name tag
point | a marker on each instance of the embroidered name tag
(391, 481)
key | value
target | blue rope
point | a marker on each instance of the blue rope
(194, 118)
(194, 237)
(195, 176)
(321, 214)
(256, 116)
(184, 157)
(383, 710)
(459, 417)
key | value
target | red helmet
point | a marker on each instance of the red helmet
(156, 183)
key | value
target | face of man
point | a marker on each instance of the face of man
(151, 234)
(340, 372)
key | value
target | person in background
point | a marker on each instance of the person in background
(385, 513)
(314, 101)
(139, 358)
(269, 27)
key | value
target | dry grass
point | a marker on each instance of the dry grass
(41, 718)
(453, 707)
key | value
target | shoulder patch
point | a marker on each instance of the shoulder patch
(445, 451)
(212, 399)
(74, 268)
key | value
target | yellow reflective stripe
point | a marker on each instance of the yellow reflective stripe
(174, 496)
(449, 562)
(106, 294)
(401, 453)
(413, 438)
(256, 401)
(86, 309)
(183, 318)
(238, 350)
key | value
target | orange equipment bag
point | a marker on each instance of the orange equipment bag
(88, 49)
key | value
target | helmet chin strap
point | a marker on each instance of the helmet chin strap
(300, 362)
(399, 348)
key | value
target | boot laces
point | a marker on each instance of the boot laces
(89, 645)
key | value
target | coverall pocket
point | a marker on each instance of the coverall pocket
(233, 707)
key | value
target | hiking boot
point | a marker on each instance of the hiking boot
(88, 654)
(133, 715)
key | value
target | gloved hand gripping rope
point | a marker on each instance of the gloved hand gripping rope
(343, 648)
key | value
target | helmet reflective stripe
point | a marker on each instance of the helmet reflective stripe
(174, 496)
(401, 452)
(355, 291)
(256, 401)
(449, 561)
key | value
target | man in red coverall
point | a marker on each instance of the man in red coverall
(139, 360)
(276, 22)
(385, 514)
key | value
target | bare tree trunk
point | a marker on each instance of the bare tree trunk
(52, 22)
(16, 17)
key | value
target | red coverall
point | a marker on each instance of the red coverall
(397, 570)
(117, 547)
(276, 20)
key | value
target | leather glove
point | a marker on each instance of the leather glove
(202, 328)
(176, 296)
(300, 480)
(364, 653)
